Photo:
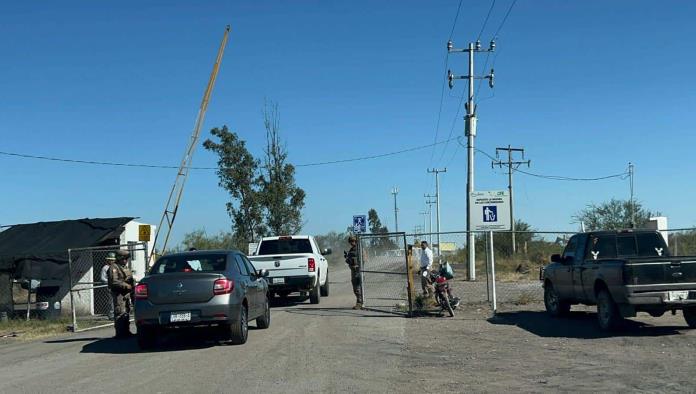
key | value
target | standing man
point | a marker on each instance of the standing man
(110, 260)
(354, 265)
(121, 284)
(426, 264)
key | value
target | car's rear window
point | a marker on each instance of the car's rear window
(190, 263)
(285, 246)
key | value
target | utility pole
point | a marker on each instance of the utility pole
(424, 223)
(633, 206)
(430, 212)
(395, 191)
(509, 165)
(437, 202)
(470, 132)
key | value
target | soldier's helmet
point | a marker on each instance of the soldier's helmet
(352, 238)
(122, 255)
(111, 256)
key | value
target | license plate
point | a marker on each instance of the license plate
(678, 295)
(180, 316)
(279, 281)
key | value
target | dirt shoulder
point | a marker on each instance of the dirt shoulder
(522, 349)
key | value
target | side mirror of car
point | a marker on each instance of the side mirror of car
(326, 252)
(557, 258)
(263, 273)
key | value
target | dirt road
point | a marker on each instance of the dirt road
(331, 348)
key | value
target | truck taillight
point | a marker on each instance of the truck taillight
(141, 291)
(223, 286)
(311, 265)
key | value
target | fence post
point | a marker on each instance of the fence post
(409, 279)
(492, 262)
(29, 298)
(362, 267)
(72, 299)
(488, 274)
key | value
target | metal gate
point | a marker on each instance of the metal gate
(90, 300)
(386, 283)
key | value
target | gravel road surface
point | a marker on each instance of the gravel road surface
(332, 348)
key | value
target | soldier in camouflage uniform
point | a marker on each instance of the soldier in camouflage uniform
(121, 285)
(354, 265)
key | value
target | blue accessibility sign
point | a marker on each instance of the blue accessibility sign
(490, 213)
(359, 224)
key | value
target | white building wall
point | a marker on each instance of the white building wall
(138, 257)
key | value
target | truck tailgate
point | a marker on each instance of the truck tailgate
(660, 271)
(283, 265)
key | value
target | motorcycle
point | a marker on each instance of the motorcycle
(443, 292)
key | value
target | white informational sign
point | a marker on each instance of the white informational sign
(359, 224)
(490, 211)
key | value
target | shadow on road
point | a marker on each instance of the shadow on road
(72, 340)
(171, 341)
(327, 312)
(580, 325)
(288, 301)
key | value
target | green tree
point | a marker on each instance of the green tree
(614, 215)
(238, 173)
(337, 242)
(199, 239)
(376, 227)
(283, 200)
(374, 223)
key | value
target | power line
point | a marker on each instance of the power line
(555, 177)
(456, 17)
(442, 88)
(495, 57)
(565, 178)
(504, 19)
(142, 165)
(486, 21)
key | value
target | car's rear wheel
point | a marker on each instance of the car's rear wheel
(608, 315)
(239, 329)
(147, 337)
(325, 288)
(264, 321)
(554, 306)
(690, 316)
(315, 294)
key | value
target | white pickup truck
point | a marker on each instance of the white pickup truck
(295, 263)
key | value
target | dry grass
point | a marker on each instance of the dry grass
(33, 329)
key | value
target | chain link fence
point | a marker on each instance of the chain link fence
(516, 270)
(384, 265)
(506, 277)
(90, 301)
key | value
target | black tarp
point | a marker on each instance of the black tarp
(40, 250)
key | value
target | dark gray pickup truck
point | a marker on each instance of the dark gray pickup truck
(622, 272)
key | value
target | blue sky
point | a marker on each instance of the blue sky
(585, 87)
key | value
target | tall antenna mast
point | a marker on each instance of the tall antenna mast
(167, 221)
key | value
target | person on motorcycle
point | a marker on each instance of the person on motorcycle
(426, 264)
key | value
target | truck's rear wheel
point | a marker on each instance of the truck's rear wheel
(554, 306)
(325, 288)
(315, 294)
(608, 315)
(690, 316)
